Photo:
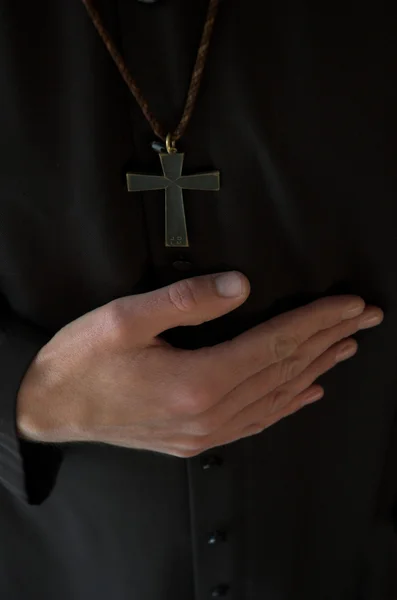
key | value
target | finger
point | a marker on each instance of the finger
(190, 301)
(308, 396)
(287, 370)
(277, 374)
(227, 436)
(269, 406)
(184, 445)
(277, 400)
(338, 353)
(274, 340)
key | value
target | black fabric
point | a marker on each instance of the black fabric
(298, 112)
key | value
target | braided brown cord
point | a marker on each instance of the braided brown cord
(195, 81)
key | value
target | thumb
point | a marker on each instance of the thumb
(190, 301)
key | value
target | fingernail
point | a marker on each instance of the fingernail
(229, 285)
(312, 396)
(354, 310)
(370, 320)
(346, 351)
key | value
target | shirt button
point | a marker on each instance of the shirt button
(216, 536)
(219, 591)
(210, 461)
(182, 265)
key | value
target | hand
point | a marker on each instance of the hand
(107, 377)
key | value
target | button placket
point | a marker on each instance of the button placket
(209, 461)
(182, 265)
(217, 536)
(211, 488)
(219, 591)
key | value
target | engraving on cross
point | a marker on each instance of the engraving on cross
(173, 183)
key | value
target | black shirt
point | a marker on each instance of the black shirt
(298, 112)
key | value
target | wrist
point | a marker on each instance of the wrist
(39, 410)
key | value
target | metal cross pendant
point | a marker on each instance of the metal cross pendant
(173, 183)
